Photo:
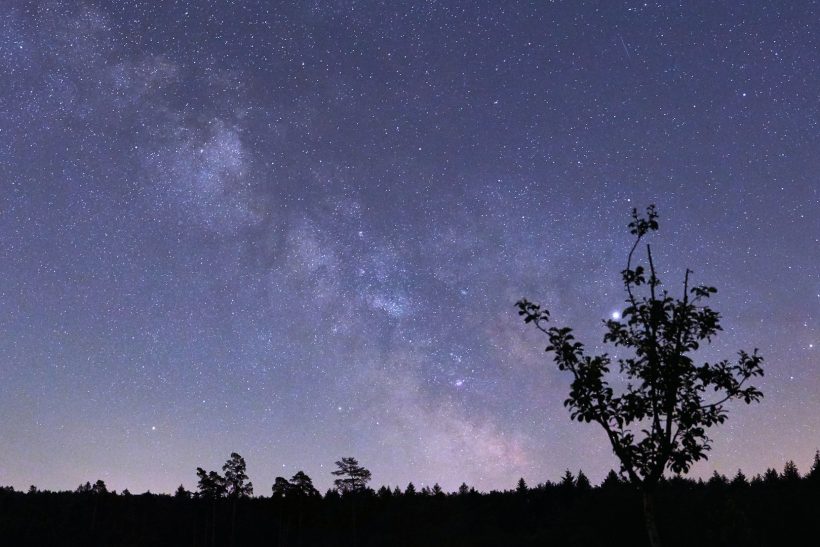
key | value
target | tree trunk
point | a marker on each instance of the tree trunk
(233, 522)
(353, 518)
(649, 518)
(299, 520)
(94, 513)
(213, 522)
(283, 525)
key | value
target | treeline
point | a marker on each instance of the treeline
(775, 508)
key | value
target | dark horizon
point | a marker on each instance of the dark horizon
(297, 231)
(775, 510)
(262, 489)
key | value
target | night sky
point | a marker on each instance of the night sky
(297, 231)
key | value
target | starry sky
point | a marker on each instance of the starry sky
(297, 230)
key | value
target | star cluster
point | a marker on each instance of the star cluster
(297, 230)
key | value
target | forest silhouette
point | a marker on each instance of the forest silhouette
(775, 508)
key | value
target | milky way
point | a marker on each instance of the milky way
(297, 231)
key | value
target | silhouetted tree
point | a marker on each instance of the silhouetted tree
(611, 480)
(84, 488)
(211, 484)
(281, 487)
(814, 474)
(660, 420)
(302, 485)
(237, 484)
(521, 487)
(437, 491)
(99, 487)
(301, 488)
(739, 480)
(410, 490)
(717, 480)
(770, 476)
(32, 489)
(353, 477)
(463, 490)
(790, 472)
(182, 493)
(567, 480)
(582, 482)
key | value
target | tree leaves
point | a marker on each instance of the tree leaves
(640, 226)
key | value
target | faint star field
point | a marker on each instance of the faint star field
(296, 230)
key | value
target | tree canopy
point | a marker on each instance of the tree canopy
(234, 484)
(660, 420)
(352, 476)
